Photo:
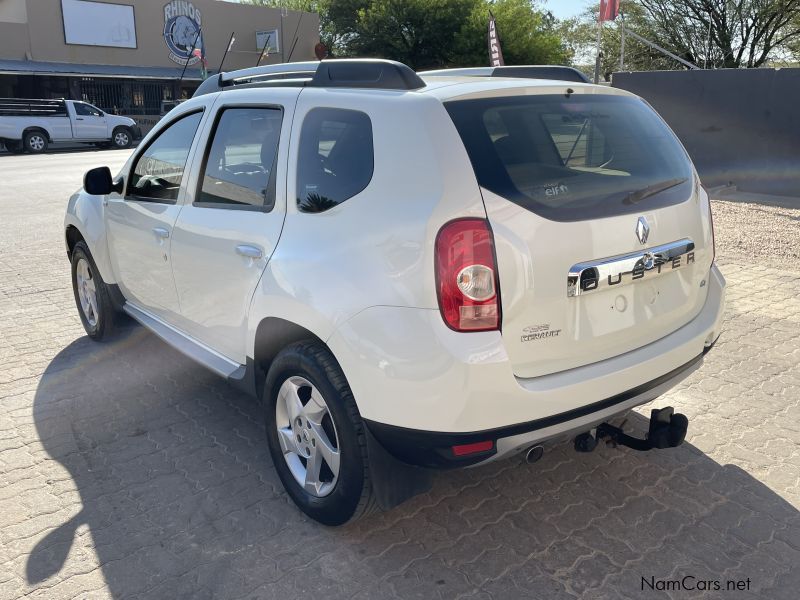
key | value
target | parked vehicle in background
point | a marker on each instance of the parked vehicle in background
(32, 125)
(410, 272)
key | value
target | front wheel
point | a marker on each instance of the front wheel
(92, 295)
(316, 435)
(121, 138)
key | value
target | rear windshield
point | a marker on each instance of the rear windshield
(573, 158)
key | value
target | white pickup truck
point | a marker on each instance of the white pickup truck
(32, 125)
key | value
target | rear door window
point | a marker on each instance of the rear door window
(335, 159)
(573, 158)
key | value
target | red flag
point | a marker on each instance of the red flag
(609, 9)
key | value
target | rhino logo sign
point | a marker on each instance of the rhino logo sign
(182, 23)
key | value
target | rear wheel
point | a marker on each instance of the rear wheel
(316, 435)
(35, 142)
(92, 296)
(121, 138)
(15, 147)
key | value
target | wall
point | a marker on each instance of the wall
(740, 126)
(45, 34)
(13, 11)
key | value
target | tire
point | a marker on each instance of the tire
(342, 496)
(35, 142)
(121, 138)
(97, 315)
(14, 147)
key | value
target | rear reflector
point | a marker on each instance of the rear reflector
(466, 449)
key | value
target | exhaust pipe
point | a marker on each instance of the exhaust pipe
(533, 454)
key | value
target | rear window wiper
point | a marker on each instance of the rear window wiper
(650, 190)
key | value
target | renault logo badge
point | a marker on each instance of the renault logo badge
(642, 230)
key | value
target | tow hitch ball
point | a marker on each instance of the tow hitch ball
(667, 430)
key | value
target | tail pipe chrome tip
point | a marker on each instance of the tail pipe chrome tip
(533, 454)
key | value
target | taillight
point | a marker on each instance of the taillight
(713, 237)
(711, 220)
(466, 276)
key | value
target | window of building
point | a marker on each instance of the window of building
(157, 173)
(239, 169)
(336, 158)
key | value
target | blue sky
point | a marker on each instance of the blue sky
(564, 9)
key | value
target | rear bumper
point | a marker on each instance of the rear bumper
(423, 388)
(434, 449)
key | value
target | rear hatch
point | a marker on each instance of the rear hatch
(601, 229)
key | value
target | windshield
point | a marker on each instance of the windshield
(573, 157)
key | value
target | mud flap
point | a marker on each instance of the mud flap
(394, 481)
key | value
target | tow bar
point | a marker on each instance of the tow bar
(667, 430)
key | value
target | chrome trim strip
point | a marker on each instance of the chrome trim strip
(594, 276)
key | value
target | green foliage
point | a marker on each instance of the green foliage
(435, 33)
(707, 33)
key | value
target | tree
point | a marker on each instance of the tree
(434, 33)
(725, 33)
(580, 36)
(707, 33)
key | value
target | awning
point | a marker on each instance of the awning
(35, 67)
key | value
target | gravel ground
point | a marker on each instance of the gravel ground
(759, 233)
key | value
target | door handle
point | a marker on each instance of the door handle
(249, 251)
(161, 233)
(79, 118)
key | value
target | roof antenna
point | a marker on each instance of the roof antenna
(300, 20)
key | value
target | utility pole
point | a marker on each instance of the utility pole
(599, 51)
(622, 43)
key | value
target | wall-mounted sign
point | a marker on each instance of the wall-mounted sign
(98, 24)
(268, 38)
(182, 23)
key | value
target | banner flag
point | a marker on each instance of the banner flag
(495, 53)
(609, 10)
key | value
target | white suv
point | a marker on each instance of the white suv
(410, 271)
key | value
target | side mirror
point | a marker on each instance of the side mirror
(98, 182)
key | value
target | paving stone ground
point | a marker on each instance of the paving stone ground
(126, 471)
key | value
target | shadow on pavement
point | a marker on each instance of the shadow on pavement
(181, 500)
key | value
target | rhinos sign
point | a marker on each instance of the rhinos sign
(182, 23)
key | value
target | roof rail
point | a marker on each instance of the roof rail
(557, 72)
(340, 72)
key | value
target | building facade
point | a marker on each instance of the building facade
(127, 56)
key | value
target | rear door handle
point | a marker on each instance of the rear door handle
(79, 118)
(249, 251)
(161, 233)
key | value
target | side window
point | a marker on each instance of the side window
(86, 110)
(239, 166)
(335, 159)
(156, 175)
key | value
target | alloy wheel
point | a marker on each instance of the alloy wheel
(87, 292)
(121, 139)
(36, 142)
(307, 436)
